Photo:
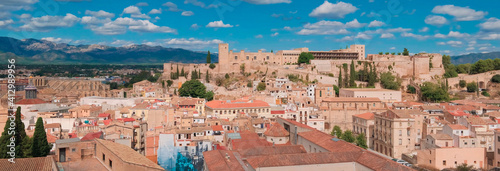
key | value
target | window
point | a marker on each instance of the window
(103, 157)
(73, 149)
(444, 162)
(267, 57)
(400, 141)
(248, 58)
(235, 57)
(255, 57)
(110, 164)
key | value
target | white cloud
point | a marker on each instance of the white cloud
(200, 4)
(155, 11)
(91, 20)
(260, 2)
(346, 38)
(470, 48)
(218, 24)
(141, 16)
(190, 43)
(25, 16)
(324, 27)
(132, 10)
(387, 35)
(362, 36)
(171, 6)
(391, 30)
(392, 48)
(5, 23)
(435, 20)
(307, 41)
(483, 48)
(6, 6)
(452, 34)
(100, 13)
(259, 36)
(416, 36)
(452, 43)
(187, 13)
(491, 36)
(492, 24)
(460, 13)
(376, 23)
(47, 23)
(120, 26)
(445, 51)
(354, 24)
(329, 10)
(195, 26)
(122, 43)
(275, 34)
(56, 40)
(424, 29)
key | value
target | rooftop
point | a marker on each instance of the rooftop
(219, 104)
(351, 99)
(367, 116)
(276, 130)
(127, 154)
(22, 164)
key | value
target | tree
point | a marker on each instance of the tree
(399, 53)
(485, 93)
(336, 88)
(465, 167)
(242, 68)
(495, 78)
(432, 92)
(336, 131)
(209, 59)
(209, 95)
(113, 85)
(207, 77)
(194, 75)
(389, 81)
(411, 89)
(347, 136)
(17, 134)
(169, 83)
(462, 83)
(346, 78)
(372, 76)
(249, 83)
(352, 75)
(40, 147)
(211, 66)
(340, 78)
(406, 52)
(261, 86)
(305, 57)
(381, 53)
(361, 141)
(163, 84)
(192, 88)
(472, 87)
(182, 72)
(226, 76)
(386, 53)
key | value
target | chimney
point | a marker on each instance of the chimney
(227, 157)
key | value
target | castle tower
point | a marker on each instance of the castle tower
(30, 90)
(223, 57)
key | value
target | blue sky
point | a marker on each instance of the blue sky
(449, 26)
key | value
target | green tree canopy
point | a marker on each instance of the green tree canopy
(261, 86)
(305, 57)
(40, 147)
(462, 83)
(433, 92)
(406, 52)
(361, 141)
(21, 140)
(472, 87)
(192, 88)
(211, 66)
(347, 136)
(209, 59)
(495, 78)
(337, 132)
(389, 81)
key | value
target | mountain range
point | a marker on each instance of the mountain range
(473, 57)
(34, 51)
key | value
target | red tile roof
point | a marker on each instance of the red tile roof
(51, 139)
(219, 104)
(277, 112)
(222, 160)
(217, 128)
(351, 99)
(276, 130)
(458, 113)
(104, 115)
(457, 127)
(23, 164)
(30, 102)
(91, 136)
(126, 119)
(367, 116)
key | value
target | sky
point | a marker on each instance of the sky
(451, 27)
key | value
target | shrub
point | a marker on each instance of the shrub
(462, 83)
(495, 78)
(211, 66)
(472, 87)
(485, 93)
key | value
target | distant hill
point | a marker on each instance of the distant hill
(473, 57)
(33, 51)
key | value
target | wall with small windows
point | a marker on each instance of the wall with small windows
(442, 158)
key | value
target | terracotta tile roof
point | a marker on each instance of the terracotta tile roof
(277, 112)
(276, 130)
(272, 150)
(103, 115)
(492, 107)
(458, 113)
(23, 164)
(222, 160)
(30, 102)
(52, 125)
(493, 114)
(457, 127)
(366, 116)
(127, 154)
(351, 99)
(217, 128)
(479, 121)
(430, 107)
(441, 136)
(153, 158)
(126, 119)
(219, 104)
(91, 136)
(51, 139)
